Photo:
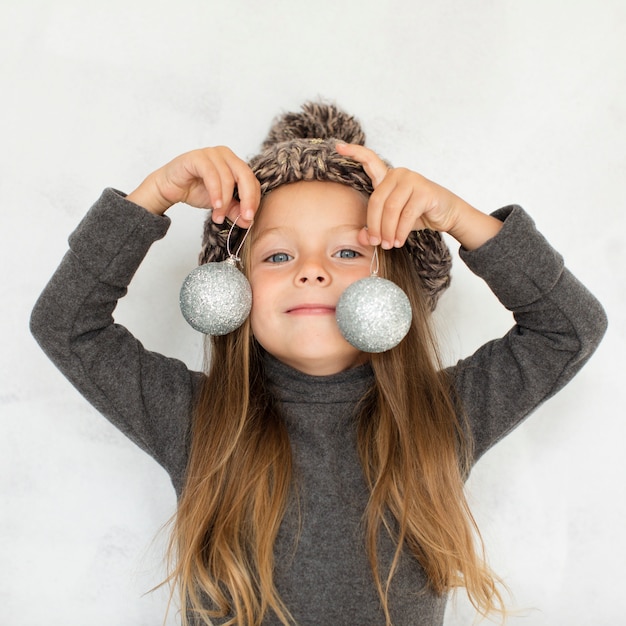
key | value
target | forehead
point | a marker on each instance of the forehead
(311, 203)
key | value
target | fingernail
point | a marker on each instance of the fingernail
(374, 241)
(385, 245)
(397, 243)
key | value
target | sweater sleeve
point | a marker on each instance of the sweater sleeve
(147, 396)
(558, 325)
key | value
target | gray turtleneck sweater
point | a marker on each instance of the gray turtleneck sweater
(326, 579)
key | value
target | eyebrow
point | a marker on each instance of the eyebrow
(283, 229)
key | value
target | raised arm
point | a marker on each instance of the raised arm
(146, 395)
(558, 323)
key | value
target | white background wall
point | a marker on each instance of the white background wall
(502, 101)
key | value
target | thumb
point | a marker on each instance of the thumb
(363, 237)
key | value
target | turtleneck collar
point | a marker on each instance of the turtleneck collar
(291, 385)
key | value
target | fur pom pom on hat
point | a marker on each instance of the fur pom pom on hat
(300, 146)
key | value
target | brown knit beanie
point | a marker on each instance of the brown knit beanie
(301, 146)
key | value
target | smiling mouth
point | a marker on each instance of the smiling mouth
(312, 309)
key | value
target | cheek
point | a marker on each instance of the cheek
(357, 274)
(261, 286)
(261, 300)
(258, 323)
(257, 308)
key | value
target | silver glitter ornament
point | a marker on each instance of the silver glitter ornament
(374, 314)
(216, 298)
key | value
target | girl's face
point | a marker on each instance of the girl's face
(304, 253)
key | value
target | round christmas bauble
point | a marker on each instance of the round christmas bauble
(374, 314)
(216, 298)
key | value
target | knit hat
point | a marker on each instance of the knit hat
(301, 146)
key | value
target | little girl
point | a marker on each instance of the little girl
(318, 484)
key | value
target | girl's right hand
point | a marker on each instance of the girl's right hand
(203, 178)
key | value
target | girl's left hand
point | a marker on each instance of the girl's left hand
(402, 201)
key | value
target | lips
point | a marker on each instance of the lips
(312, 309)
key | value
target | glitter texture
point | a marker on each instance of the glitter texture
(374, 314)
(216, 298)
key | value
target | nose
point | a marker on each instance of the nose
(312, 272)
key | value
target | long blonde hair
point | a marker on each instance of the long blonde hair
(415, 452)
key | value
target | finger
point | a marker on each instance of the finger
(215, 161)
(373, 165)
(376, 206)
(249, 190)
(410, 219)
(363, 237)
(233, 213)
(397, 209)
(204, 172)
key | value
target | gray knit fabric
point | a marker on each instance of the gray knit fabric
(328, 575)
(326, 580)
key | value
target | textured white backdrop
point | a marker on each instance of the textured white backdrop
(501, 101)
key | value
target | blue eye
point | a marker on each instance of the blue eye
(347, 254)
(279, 257)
